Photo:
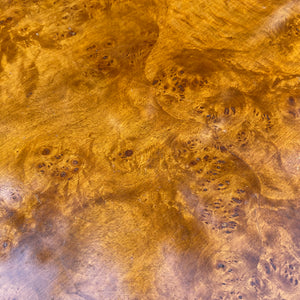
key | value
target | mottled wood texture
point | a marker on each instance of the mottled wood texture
(149, 149)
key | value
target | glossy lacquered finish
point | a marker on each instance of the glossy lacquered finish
(149, 149)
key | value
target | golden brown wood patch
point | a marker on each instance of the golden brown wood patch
(149, 149)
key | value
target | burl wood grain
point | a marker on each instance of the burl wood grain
(149, 149)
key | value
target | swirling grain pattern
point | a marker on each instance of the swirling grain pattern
(149, 149)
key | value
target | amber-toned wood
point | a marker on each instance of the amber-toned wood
(149, 149)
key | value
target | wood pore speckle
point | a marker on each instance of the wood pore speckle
(149, 149)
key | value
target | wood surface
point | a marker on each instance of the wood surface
(149, 149)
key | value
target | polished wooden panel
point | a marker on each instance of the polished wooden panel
(149, 149)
